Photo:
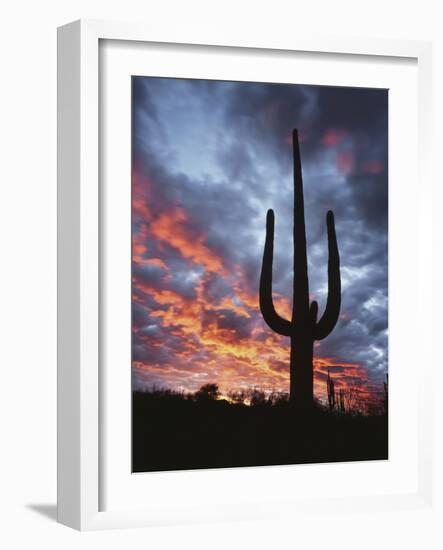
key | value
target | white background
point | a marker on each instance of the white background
(28, 268)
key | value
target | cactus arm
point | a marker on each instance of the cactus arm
(313, 310)
(332, 311)
(271, 317)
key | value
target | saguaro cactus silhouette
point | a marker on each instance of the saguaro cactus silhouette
(303, 328)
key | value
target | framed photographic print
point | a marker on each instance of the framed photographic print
(240, 227)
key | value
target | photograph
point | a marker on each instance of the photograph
(259, 274)
(223, 236)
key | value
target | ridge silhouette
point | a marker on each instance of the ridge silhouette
(174, 430)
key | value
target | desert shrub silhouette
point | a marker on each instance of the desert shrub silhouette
(208, 392)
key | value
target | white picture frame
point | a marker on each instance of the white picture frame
(80, 445)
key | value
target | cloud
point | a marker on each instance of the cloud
(345, 162)
(333, 137)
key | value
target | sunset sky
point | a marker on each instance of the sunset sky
(209, 159)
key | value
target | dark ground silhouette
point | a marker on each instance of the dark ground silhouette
(176, 431)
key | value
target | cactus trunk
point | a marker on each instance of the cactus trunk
(302, 343)
(303, 328)
(301, 379)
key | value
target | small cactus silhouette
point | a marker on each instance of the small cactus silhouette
(386, 393)
(341, 401)
(303, 329)
(331, 392)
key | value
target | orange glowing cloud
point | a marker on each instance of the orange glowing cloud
(229, 304)
(172, 227)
